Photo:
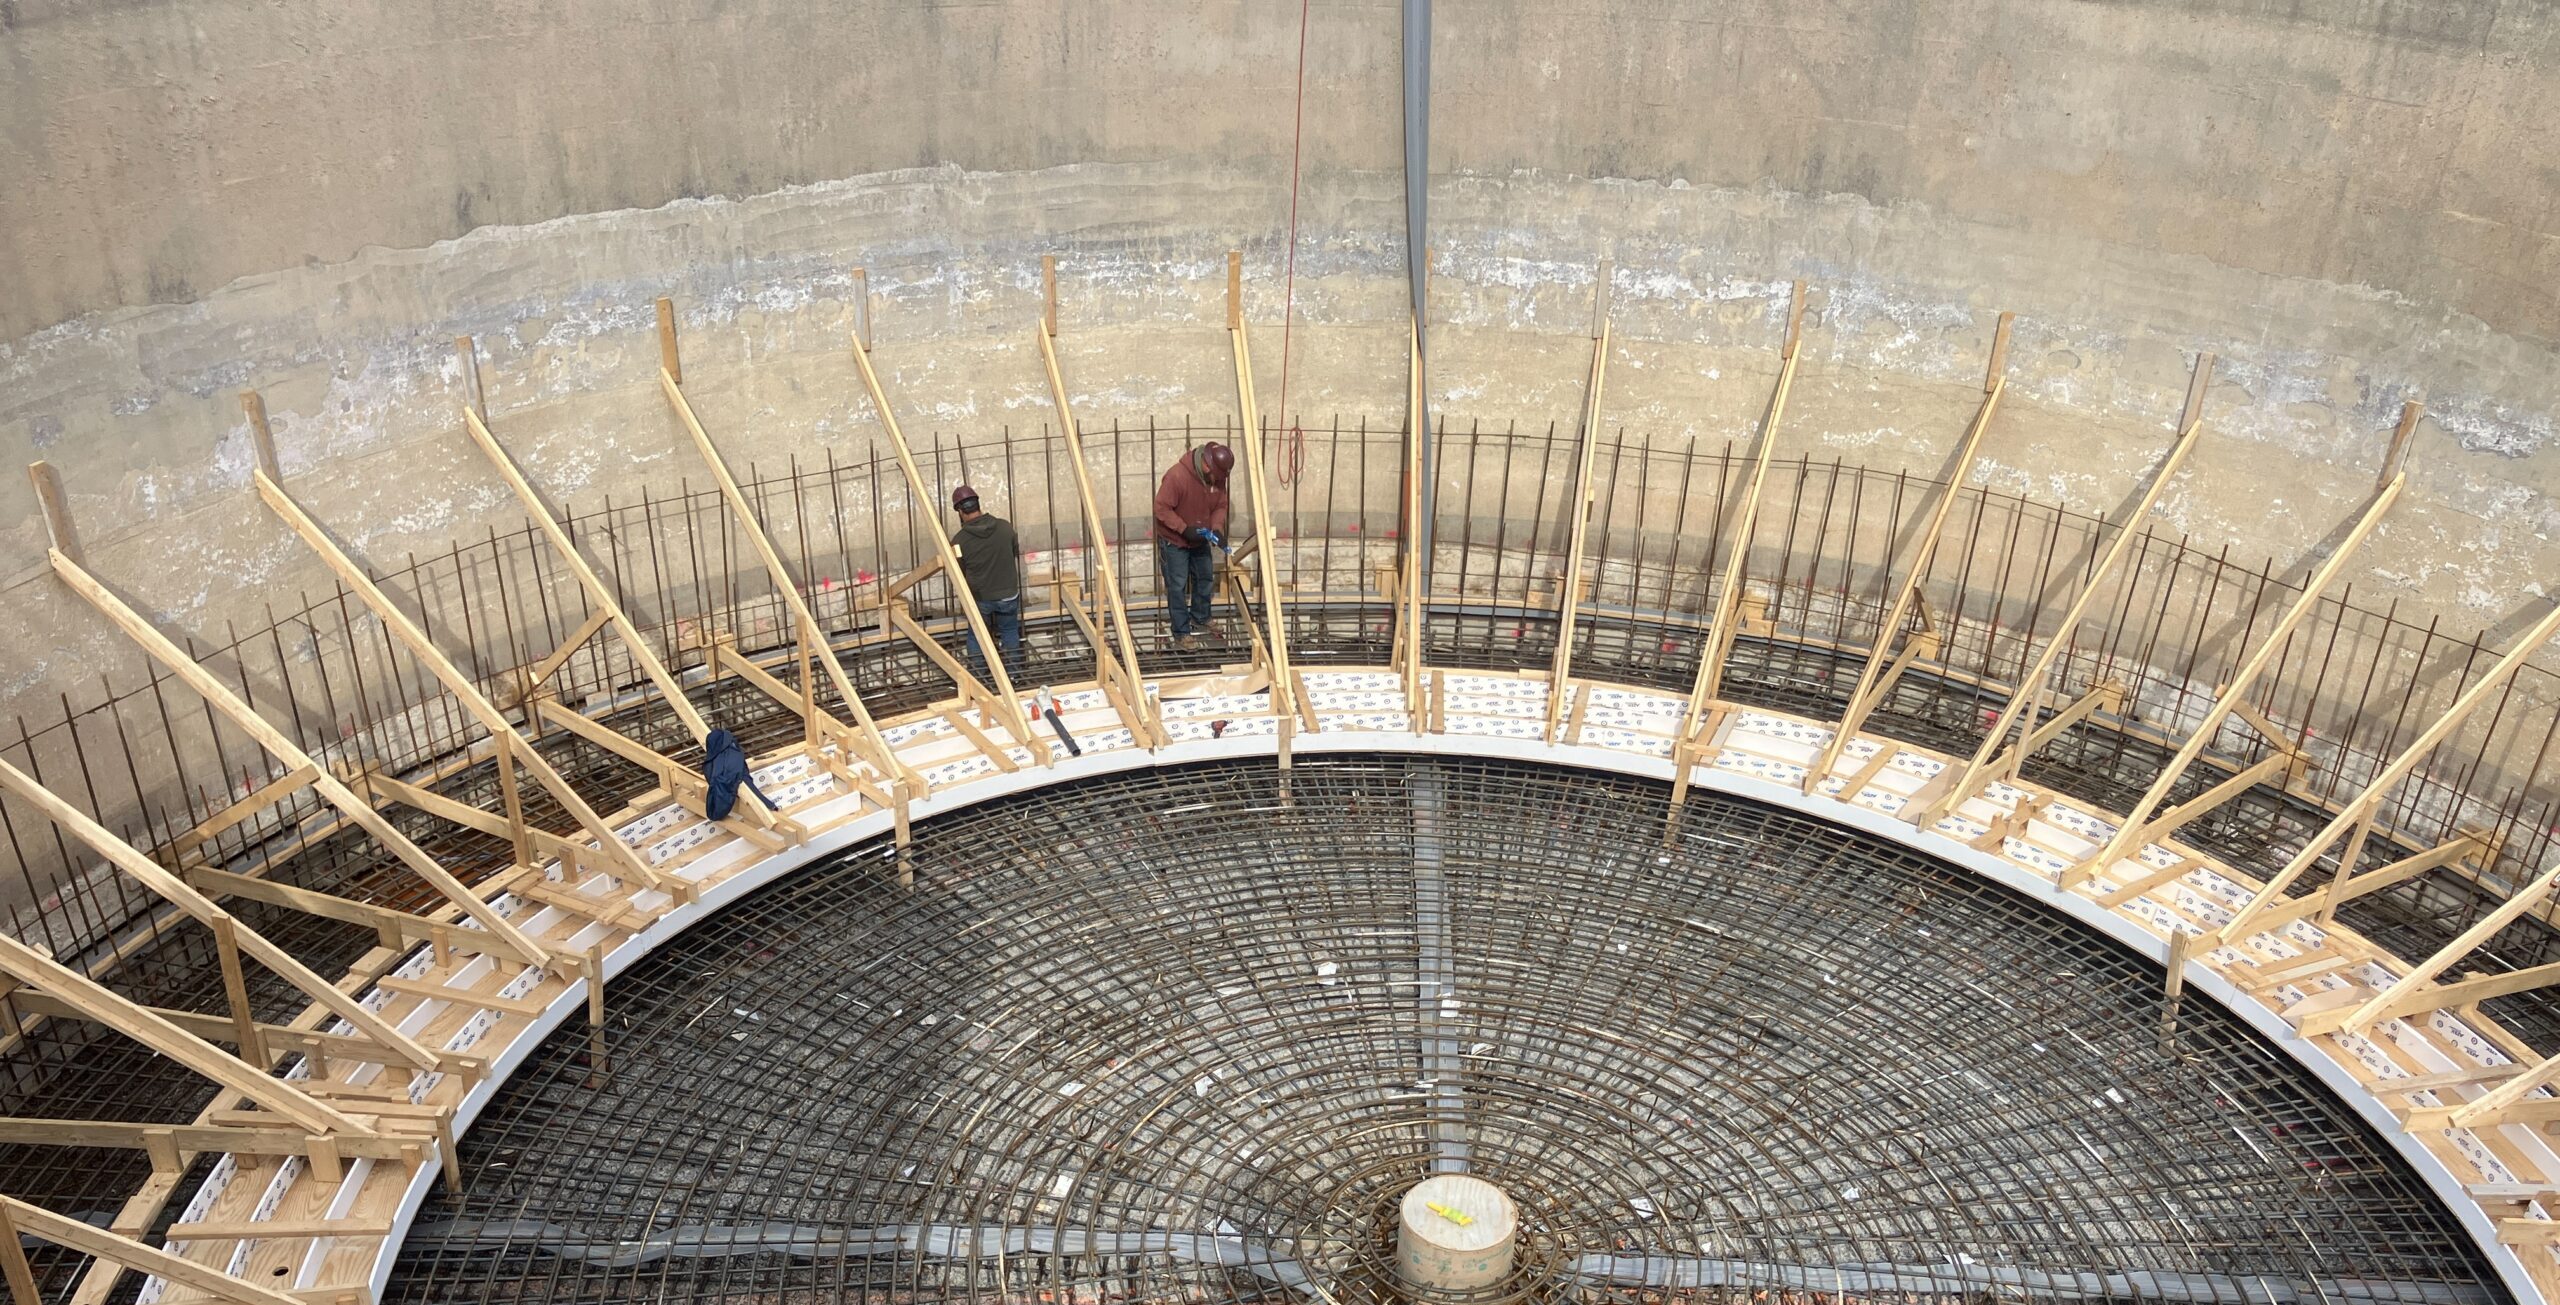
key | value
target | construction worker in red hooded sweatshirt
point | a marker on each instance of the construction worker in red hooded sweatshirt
(1191, 517)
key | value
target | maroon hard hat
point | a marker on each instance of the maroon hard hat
(964, 498)
(1216, 460)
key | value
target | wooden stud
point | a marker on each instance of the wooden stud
(56, 508)
(2396, 456)
(1249, 430)
(2032, 686)
(262, 437)
(13, 1261)
(1873, 682)
(812, 634)
(1049, 295)
(1600, 285)
(922, 501)
(235, 990)
(474, 396)
(1999, 368)
(669, 361)
(223, 699)
(514, 748)
(1097, 540)
(1795, 320)
(2244, 922)
(2132, 832)
(1560, 671)
(1235, 289)
(903, 819)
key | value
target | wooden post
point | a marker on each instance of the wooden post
(223, 699)
(1999, 368)
(1049, 295)
(2132, 832)
(1249, 408)
(923, 500)
(1235, 289)
(2031, 689)
(1873, 683)
(1569, 612)
(1097, 538)
(13, 1260)
(56, 508)
(812, 635)
(595, 1015)
(1600, 301)
(235, 990)
(513, 747)
(262, 437)
(669, 361)
(1795, 319)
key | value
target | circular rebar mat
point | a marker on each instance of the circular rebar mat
(1189, 1035)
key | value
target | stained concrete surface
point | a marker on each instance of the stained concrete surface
(2343, 200)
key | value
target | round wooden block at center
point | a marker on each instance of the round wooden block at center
(1456, 1234)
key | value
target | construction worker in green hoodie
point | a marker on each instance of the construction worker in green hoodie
(991, 565)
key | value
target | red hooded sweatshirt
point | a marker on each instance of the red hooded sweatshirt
(1183, 500)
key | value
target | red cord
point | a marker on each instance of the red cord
(1293, 445)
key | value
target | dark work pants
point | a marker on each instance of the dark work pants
(1190, 585)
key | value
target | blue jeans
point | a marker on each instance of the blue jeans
(1004, 621)
(1190, 585)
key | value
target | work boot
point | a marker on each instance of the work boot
(1186, 643)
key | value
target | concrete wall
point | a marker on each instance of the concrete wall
(2348, 201)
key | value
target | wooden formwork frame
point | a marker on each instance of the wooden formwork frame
(600, 598)
(1989, 761)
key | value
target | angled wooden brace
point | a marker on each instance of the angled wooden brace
(1874, 682)
(1725, 626)
(1284, 681)
(2138, 827)
(1578, 512)
(2031, 688)
(94, 1001)
(2407, 993)
(1097, 539)
(2359, 810)
(62, 1230)
(599, 596)
(921, 499)
(246, 717)
(179, 893)
(514, 748)
(864, 734)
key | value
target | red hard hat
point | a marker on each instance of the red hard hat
(1216, 460)
(963, 496)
